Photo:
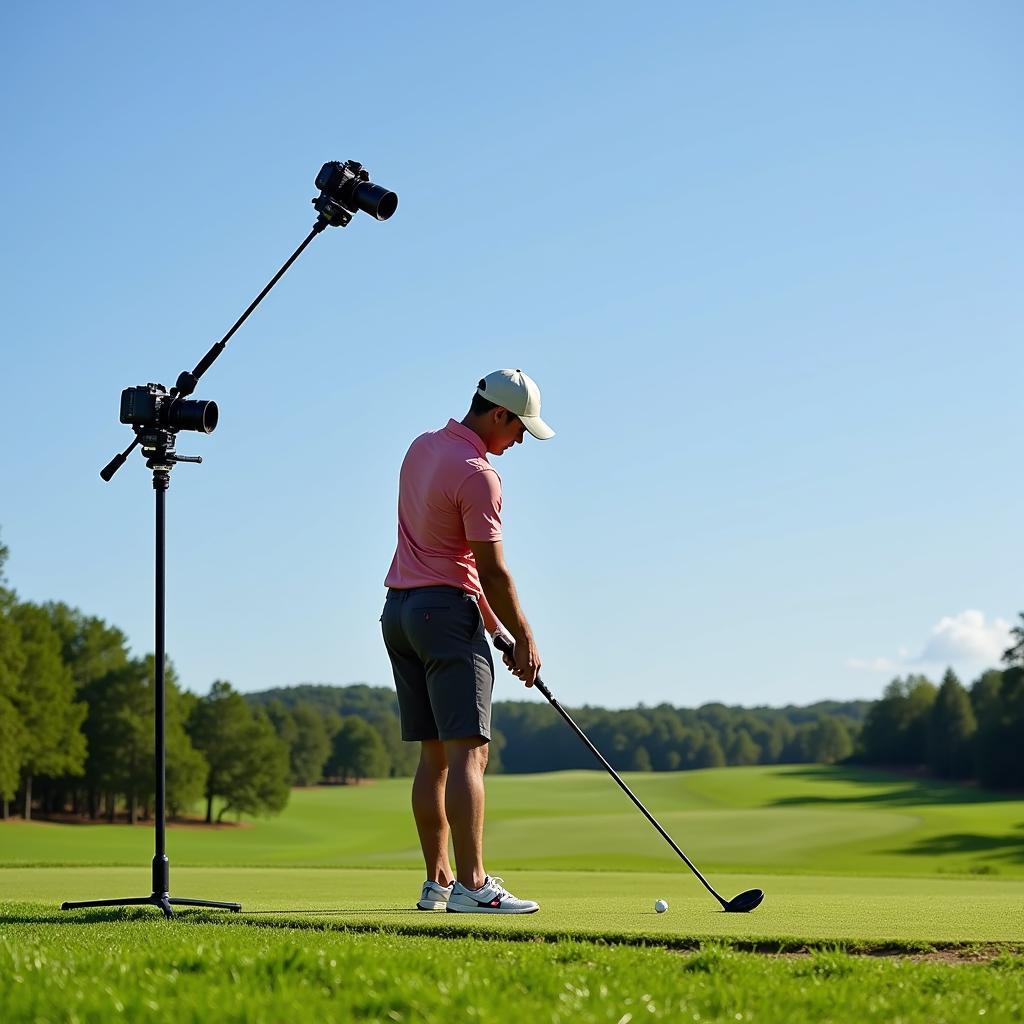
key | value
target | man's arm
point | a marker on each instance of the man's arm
(500, 592)
(491, 623)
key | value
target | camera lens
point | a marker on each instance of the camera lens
(378, 202)
(191, 414)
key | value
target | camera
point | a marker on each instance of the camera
(152, 406)
(345, 189)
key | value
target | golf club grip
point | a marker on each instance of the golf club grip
(506, 646)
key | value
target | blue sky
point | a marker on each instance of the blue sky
(763, 260)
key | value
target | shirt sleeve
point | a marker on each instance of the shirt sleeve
(480, 505)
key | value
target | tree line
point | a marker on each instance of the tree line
(951, 731)
(77, 736)
(76, 729)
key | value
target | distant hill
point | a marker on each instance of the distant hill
(365, 700)
(529, 737)
(355, 699)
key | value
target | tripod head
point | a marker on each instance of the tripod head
(155, 413)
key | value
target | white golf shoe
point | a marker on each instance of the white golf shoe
(433, 897)
(491, 898)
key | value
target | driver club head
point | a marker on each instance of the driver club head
(745, 902)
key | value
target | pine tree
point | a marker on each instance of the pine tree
(45, 699)
(1014, 654)
(90, 648)
(185, 780)
(12, 745)
(951, 729)
(1000, 728)
(12, 664)
(122, 750)
(896, 727)
(985, 692)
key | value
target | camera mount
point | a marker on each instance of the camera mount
(157, 415)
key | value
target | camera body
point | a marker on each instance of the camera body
(151, 406)
(345, 189)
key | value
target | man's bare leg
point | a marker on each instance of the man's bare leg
(464, 806)
(428, 788)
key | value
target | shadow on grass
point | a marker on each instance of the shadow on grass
(1009, 847)
(477, 929)
(483, 930)
(404, 911)
(110, 915)
(903, 790)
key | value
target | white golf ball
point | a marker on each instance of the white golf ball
(661, 906)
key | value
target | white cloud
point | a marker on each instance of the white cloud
(967, 637)
(964, 641)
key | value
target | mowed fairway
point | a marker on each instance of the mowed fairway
(843, 854)
(850, 860)
(784, 819)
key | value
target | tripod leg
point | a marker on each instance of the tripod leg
(165, 906)
(181, 901)
(132, 901)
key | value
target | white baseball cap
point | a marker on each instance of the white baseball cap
(515, 391)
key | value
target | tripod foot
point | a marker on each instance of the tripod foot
(181, 901)
(162, 901)
(132, 901)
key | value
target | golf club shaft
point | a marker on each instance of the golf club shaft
(506, 646)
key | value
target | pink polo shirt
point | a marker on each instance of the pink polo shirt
(448, 495)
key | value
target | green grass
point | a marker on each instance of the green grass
(792, 819)
(852, 861)
(204, 972)
(609, 905)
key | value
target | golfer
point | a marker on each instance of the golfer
(448, 582)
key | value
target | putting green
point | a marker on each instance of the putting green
(581, 904)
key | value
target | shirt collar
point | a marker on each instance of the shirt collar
(461, 430)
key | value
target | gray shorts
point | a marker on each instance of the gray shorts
(441, 661)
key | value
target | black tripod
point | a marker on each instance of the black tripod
(161, 461)
(156, 416)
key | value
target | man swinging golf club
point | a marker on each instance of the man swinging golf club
(447, 584)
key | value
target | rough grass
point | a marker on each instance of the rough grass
(139, 969)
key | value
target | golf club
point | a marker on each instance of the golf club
(741, 904)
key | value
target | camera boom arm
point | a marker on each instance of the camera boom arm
(345, 189)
